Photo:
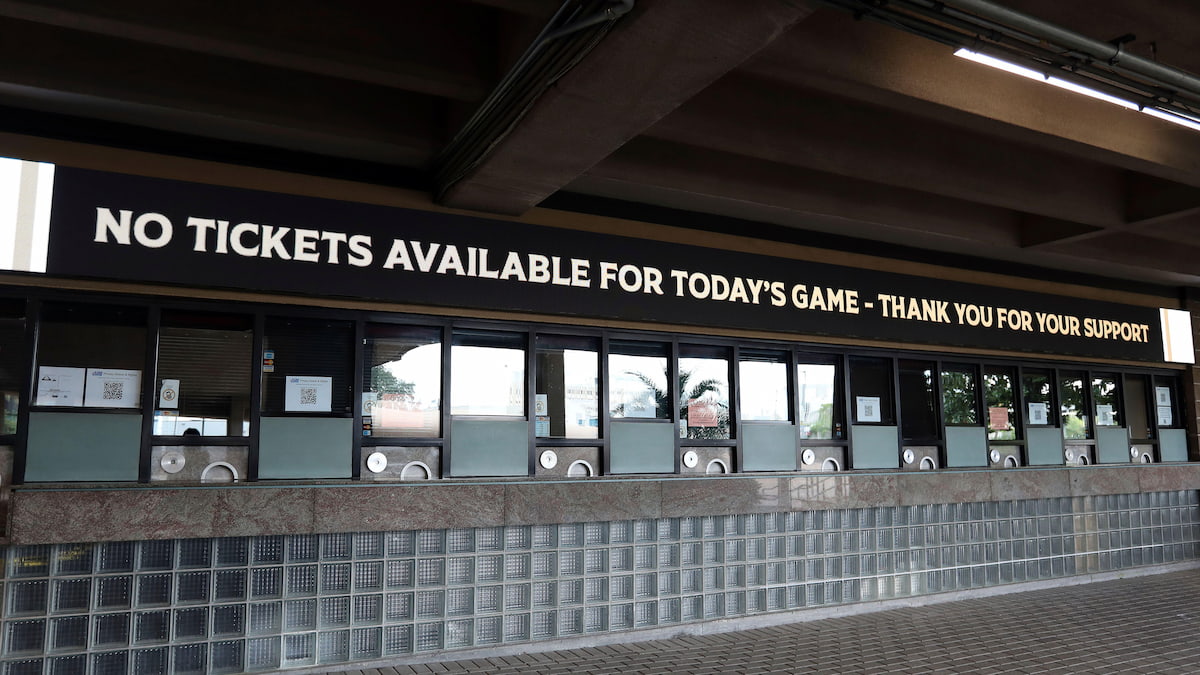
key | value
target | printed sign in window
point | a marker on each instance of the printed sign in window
(60, 386)
(1105, 416)
(308, 394)
(868, 409)
(1162, 396)
(1166, 417)
(112, 388)
(1039, 413)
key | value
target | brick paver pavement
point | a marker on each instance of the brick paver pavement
(1148, 624)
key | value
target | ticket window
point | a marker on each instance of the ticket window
(767, 433)
(489, 433)
(1044, 438)
(965, 434)
(567, 376)
(1165, 417)
(641, 407)
(402, 381)
(204, 370)
(874, 443)
(86, 422)
(306, 402)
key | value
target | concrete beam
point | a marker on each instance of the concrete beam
(797, 127)
(654, 59)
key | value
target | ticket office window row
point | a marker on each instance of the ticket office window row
(283, 388)
(946, 413)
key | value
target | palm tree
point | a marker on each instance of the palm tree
(662, 401)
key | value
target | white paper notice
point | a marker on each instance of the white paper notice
(168, 395)
(1165, 417)
(308, 394)
(60, 386)
(868, 409)
(1104, 415)
(1038, 413)
(112, 388)
(1162, 395)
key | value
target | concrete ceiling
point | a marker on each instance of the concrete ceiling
(790, 114)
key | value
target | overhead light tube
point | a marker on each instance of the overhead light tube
(1028, 73)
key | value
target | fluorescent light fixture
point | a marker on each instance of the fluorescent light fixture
(999, 63)
(1041, 77)
(1171, 116)
(1088, 91)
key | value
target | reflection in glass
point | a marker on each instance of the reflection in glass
(1036, 386)
(958, 395)
(1001, 405)
(402, 380)
(763, 391)
(204, 375)
(487, 374)
(567, 395)
(637, 381)
(815, 387)
(918, 409)
(1073, 410)
(1106, 396)
(703, 387)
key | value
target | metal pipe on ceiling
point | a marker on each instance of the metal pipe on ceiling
(982, 25)
(1101, 51)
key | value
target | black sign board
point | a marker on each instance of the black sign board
(115, 226)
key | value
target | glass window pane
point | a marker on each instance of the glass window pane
(91, 356)
(1072, 407)
(402, 380)
(1001, 403)
(703, 394)
(312, 362)
(12, 361)
(958, 395)
(1166, 401)
(816, 387)
(918, 407)
(871, 390)
(1136, 416)
(487, 374)
(204, 375)
(637, 380)
(567, 376)
(1037, 388)
(764, 387)
(1106, 397)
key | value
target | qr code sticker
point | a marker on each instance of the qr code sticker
(308, 395)
(869, 410)
(113, 391)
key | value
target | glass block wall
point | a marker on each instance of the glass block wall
(275, 602)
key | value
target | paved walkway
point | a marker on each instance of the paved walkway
(1147, 624)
